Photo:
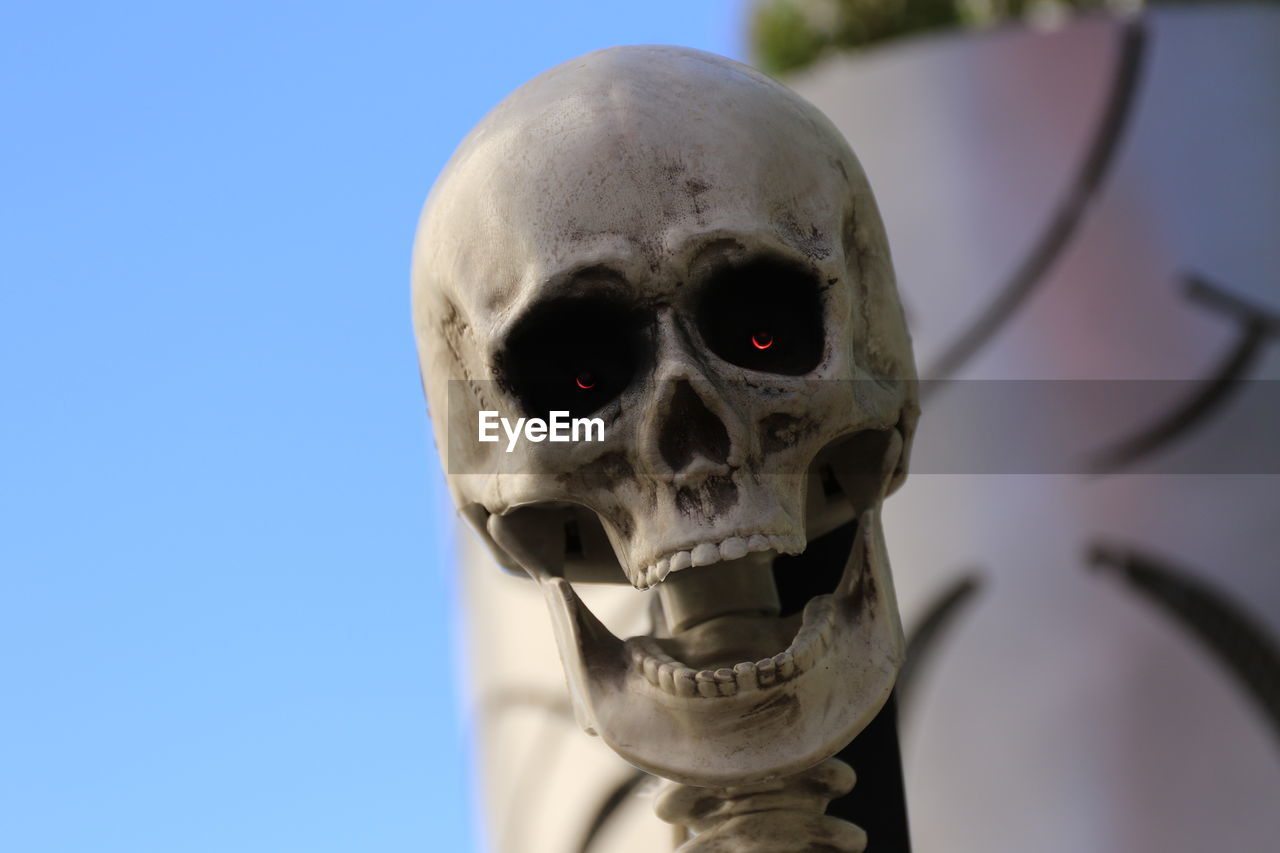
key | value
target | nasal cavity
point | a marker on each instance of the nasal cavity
(690, 429)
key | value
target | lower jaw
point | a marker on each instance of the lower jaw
(709, 725)
(725, 636)
(738, 636)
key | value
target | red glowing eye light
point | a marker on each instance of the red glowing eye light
(762, 340)
(585, 381)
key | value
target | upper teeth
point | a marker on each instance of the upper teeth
(708, 553)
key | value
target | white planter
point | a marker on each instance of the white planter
(1065, 714)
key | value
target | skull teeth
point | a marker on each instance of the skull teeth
(710, 553)
(733, 548)
(806, 650)
(706, 554)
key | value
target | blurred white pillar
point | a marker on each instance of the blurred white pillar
(1064, 714)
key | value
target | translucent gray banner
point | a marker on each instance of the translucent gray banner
(1071, 427)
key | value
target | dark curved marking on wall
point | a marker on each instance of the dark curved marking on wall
(1199, 288)
(1235, 639)
(1068, 215)
(1211, 393)
(609, 806)
(925, 640)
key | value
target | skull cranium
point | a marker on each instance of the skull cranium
(674, 243)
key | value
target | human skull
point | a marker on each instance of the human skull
(676, 244)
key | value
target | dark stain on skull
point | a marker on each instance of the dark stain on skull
(812, 241)
(863, 598)
(606, 471)
(675, 173)
(862, 264)
(844, 173)
(687, 502)
(623, 523)
(722, 494)
(454, 328)
(611, 472)
(616, 467)
(815, 245)
(611, 416)
(696, 189)
(780, 431)
(784, 707)
(853, 248)
(708, 500)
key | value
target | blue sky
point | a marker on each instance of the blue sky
(226, 602)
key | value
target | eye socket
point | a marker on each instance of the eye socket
(764, 315)
(572, 355)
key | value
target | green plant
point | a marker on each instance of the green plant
(787, 35)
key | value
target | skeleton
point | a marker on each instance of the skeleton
(671, 241)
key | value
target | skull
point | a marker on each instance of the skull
(680, 246)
